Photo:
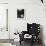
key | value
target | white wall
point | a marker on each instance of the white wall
(3, 1)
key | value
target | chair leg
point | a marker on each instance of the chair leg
(20, 42)
(32, 42)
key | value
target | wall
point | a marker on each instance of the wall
(3, 1)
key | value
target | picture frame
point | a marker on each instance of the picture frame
(21, 14)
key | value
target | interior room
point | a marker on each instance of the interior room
(22, 23)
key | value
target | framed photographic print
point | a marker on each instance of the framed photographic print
(20, 13)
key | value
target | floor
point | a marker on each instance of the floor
(5, 44)
(23, 44)
(26, 44)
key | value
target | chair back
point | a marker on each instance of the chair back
(33, 28)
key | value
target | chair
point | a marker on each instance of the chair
(33, 30)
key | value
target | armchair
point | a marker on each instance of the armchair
(33, 30)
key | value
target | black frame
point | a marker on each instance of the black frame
(20, 13)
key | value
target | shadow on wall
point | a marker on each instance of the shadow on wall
(41, 34)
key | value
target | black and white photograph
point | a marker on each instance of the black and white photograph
(20, 13)
(22, 22)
